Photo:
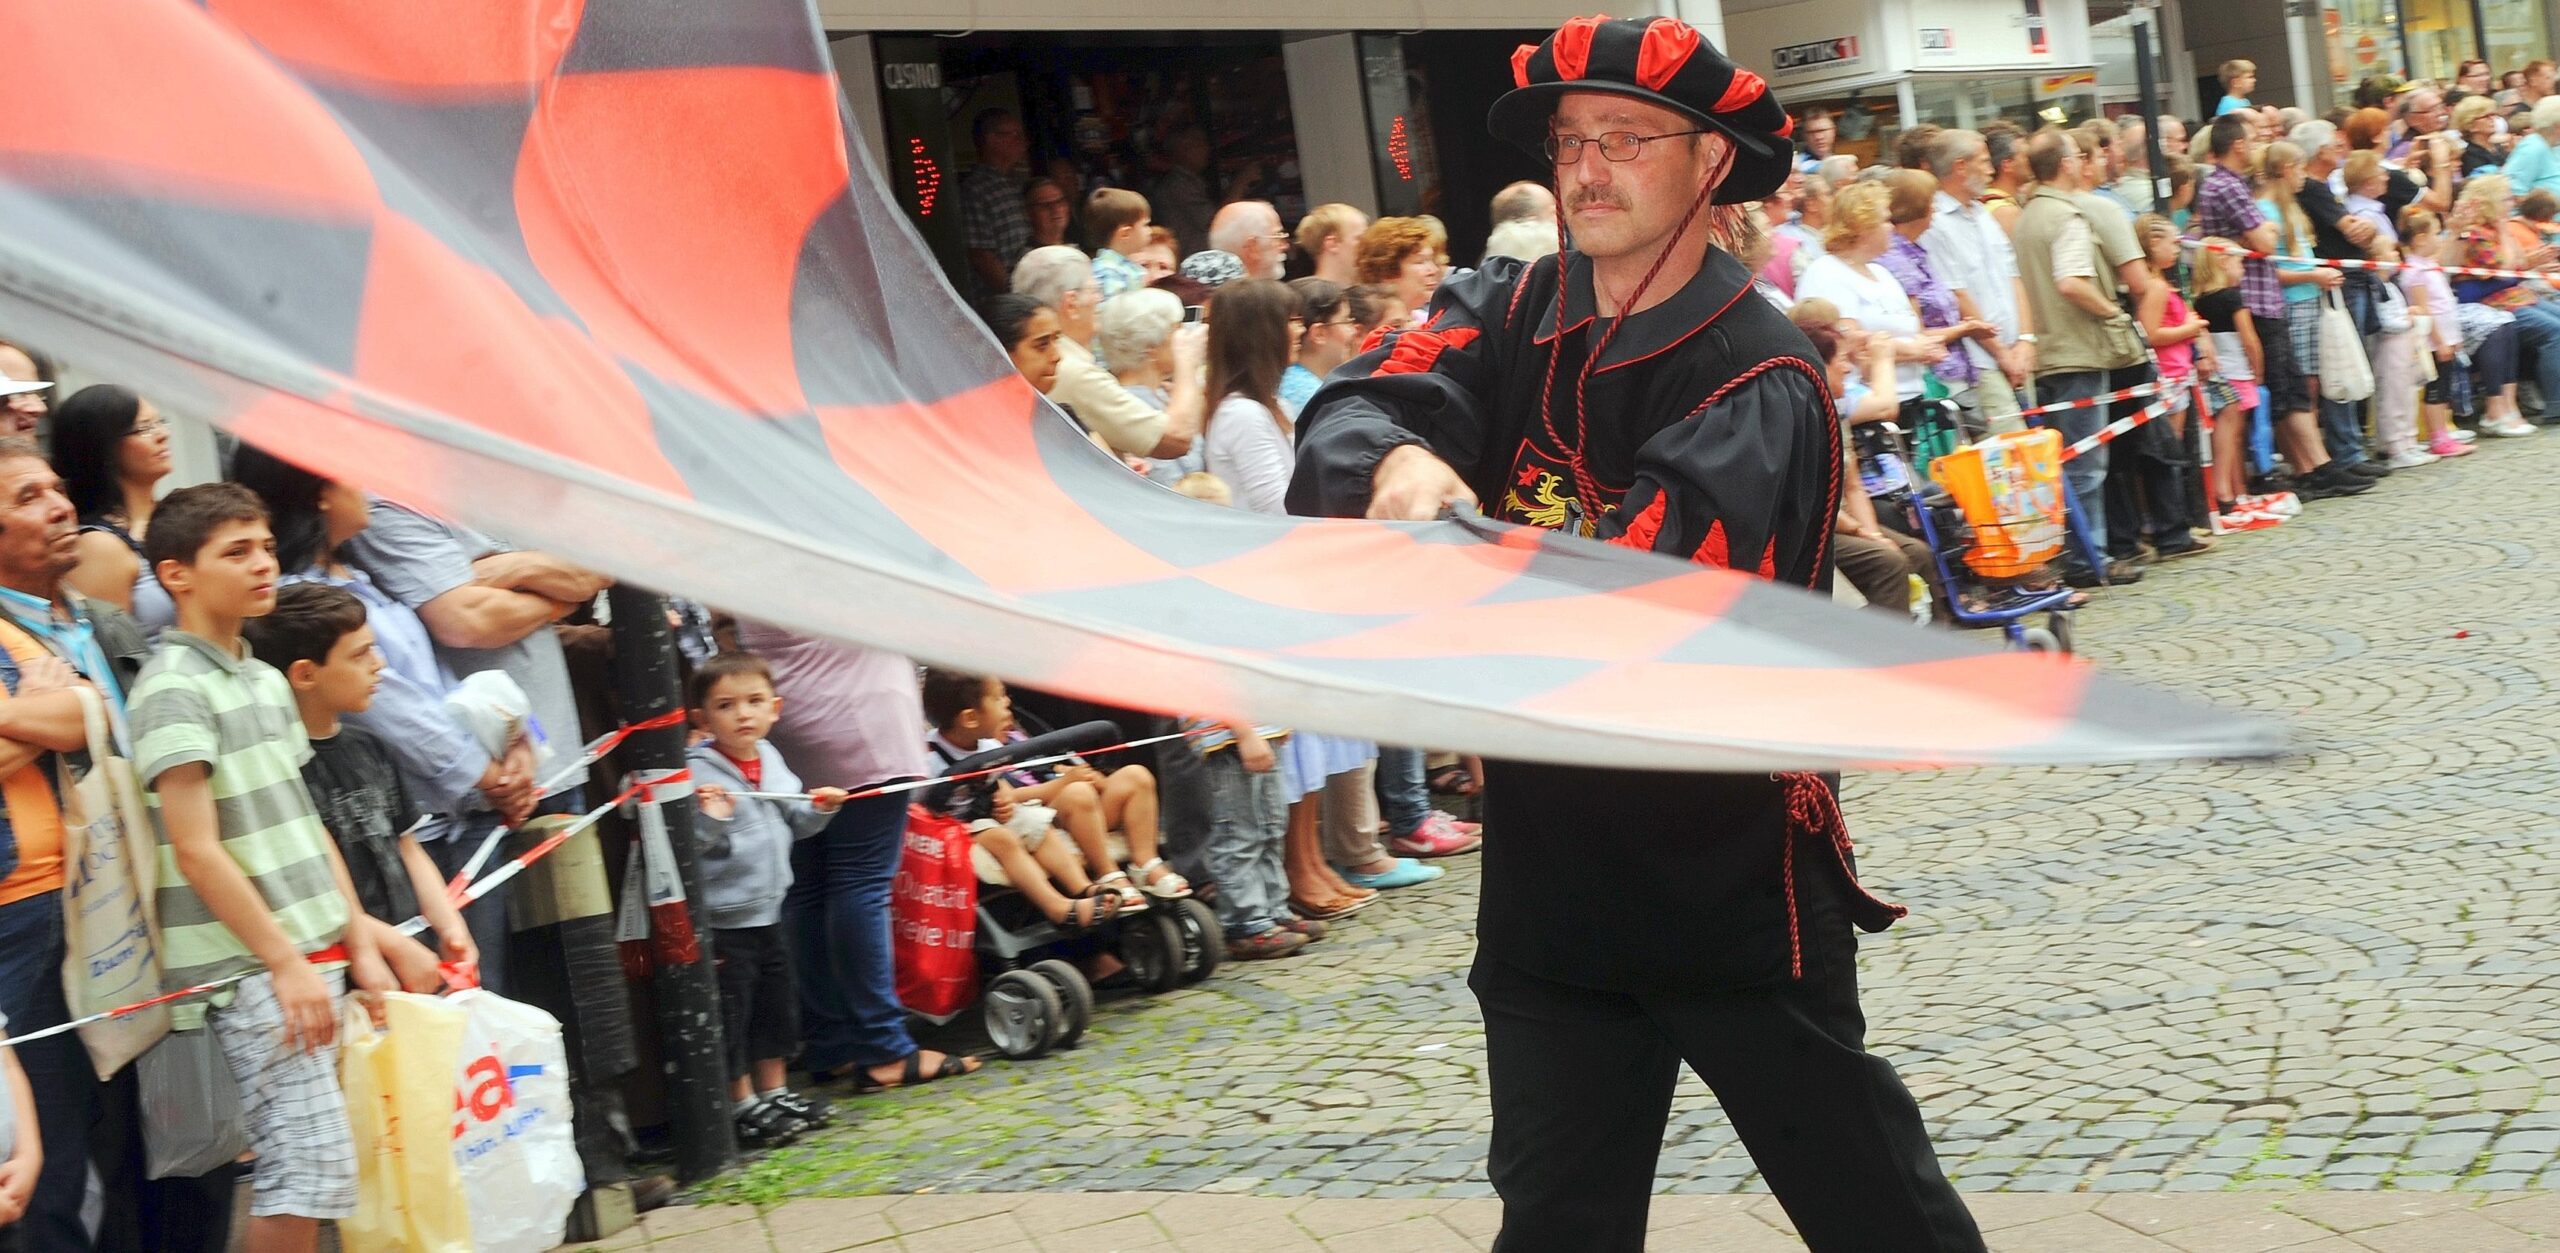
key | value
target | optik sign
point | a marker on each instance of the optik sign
(1821, 53)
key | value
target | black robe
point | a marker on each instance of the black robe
(1711, 436)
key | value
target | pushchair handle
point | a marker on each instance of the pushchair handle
(941, 797)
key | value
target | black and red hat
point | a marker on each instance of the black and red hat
(1659, 60)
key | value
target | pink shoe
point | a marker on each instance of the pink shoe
(2448, 446)
(1436, 837)
(1458, 824)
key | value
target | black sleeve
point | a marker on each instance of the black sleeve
(2216, 308)
(1750, 481)
(1432, 386)
(2402, 190)
(2328, 242)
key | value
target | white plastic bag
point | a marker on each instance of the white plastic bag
(2346, 375)
(498, 713)
(512, 1137)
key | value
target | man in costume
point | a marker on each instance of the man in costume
(1635, 389)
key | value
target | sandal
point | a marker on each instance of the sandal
(1128, 904)
(1454, 779)
(1084, 913)
(1130, 896)
(1317, 913)
(912, 1073)
(1169, 886)
(765, 1125)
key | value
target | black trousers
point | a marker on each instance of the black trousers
(1582, 1084)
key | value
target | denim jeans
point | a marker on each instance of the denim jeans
(2342, 421)
(838, 917)
(1404, 789)
(2086, 473)
(1248, 830)
(486, 918)
(66, 1089)
(2538, 330)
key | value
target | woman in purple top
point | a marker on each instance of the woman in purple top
(851, 718)
(1941, 307)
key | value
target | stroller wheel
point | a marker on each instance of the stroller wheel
(2058, 624)
(1204, 942)
(2040, 640)
(1022, 1013)
(1073, 993)
(1152, 950)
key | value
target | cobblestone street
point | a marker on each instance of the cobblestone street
(2330, 972)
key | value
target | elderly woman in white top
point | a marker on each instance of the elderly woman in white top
(1139, 336)
(1865, 292)
(1251, 329)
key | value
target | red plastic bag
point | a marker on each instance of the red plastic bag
(934, 913)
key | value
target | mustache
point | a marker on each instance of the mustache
(1587, 196)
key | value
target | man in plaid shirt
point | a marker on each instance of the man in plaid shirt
(996, 231)
(2227, 209)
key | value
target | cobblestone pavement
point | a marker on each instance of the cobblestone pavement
(1168, 1222)
(2329, 972)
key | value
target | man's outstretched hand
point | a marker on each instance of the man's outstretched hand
(1412, 484)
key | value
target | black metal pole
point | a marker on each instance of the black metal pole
(695, 1069)
(2154, 162)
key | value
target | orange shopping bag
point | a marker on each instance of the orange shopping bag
(2010, 490)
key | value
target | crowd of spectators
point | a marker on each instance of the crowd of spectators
(1985, 270)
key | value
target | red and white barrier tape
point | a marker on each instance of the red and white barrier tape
(918, 785)
(2065, 406)
(2456, 271)
(465, 889)
(2107, 434)
(561, 780)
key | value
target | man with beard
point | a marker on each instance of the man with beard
(1628, 390)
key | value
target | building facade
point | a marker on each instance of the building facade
(1381, 105)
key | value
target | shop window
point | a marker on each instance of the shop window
(2517, 33)
(2027, 101)
(2364, 40)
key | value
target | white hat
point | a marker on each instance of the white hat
(11, 387)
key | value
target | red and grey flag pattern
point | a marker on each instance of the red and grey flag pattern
(598, 276)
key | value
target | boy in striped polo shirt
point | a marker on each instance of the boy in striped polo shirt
(249, 879)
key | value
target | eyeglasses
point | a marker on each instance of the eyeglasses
(1618, 146)
(1045, 205)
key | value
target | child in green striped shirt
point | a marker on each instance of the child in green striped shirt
(250, 882)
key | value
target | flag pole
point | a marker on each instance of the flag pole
(688, 1000)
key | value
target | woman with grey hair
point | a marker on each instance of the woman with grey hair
(1140, 337)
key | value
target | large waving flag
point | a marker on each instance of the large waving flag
(595, 275)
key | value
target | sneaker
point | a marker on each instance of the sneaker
(2464, 436)
(1436, 837)
(2410, 459)
(2509, 428)
(2325, 486)
(809, 1113)
(2281, 504)
(765, 1125)
(2370, 470)
(1458, 824)
(2245, 520)
(2443, 447)
(1276, 942)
